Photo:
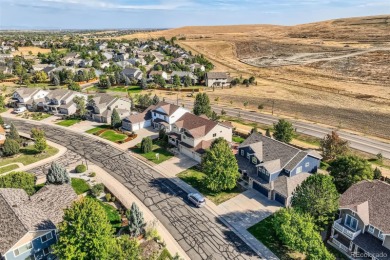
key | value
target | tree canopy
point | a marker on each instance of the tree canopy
(57, 174)
(332, 146)
(136, 221)
(284, 131)
(202, 104)
(13, 133)
(116, 121)
(146, 145)
(19, 180)
(348, 170)
(317, 196)
(220, 166)
(10, 147)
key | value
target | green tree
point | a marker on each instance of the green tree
(220, 166)
(97, 189)
(348, 170)
(187, 81)
(85, 232)
(214, 116)
(13, 133)
(156, 100)
(2, 102)
(19, 180)
(136, 221)
(1, 121)
(252, 80)
(297, 232)
(80, 106)
(126, 248)
(176, 80)
(40, 144)
(10, 147)
(284, 131)
(116, 121)
(332, 146)
(202, 105)
(377, 174)
(39, 76)
(317, 196)
(268, 132)
(57, 174)
(37, 133)
(74, 86)
(146, 145)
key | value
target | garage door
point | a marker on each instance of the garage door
(260, 188)
(280, 199)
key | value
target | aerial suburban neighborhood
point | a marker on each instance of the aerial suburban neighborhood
(197, 142)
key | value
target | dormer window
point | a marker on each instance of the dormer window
(380, 235)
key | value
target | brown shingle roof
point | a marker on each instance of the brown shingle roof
(167, 107)
(374, 193)
(197, 126)
(217, 75)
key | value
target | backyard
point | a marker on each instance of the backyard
(68, 122)
(163, 154)
(195, 178)
(28, 155)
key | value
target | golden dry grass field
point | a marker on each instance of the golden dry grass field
(34, 50)
(333, 72)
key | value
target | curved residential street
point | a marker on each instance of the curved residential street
(198, 232)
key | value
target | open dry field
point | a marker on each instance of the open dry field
(334, 72)
(34, 50)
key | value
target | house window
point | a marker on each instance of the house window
(46, 251)
(371, 229)
(380, 235)
(248, 156)
(307, 164)
(351, 222)
(46, 237)
(254, 160)
(299, 169)
(214, 135)
(242, 152)
(23, 249)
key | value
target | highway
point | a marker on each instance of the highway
(361, 143)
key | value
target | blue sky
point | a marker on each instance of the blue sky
(95, 14)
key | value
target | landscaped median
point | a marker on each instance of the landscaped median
(195, 177)
(106, 132)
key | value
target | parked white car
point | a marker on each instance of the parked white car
(20, 110)
(197, 199)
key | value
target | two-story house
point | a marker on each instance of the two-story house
(362, 230)
(183, 74)
(102, 105)
(28, 223)
(60, 101)
(274, 168)
(153, 73)
(195, 66)
(27, 96)
(133, 73)
(217, 79)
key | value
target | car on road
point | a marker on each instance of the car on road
(197, 199)
(20, 110)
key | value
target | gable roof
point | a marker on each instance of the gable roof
(103, 100)
(371, 201)
(167, 107)
(216, 75)
(285, 185)
(183, 74)
(27, 92)
(58, 94)
(21, 213)
(196, 126)
(140, 117)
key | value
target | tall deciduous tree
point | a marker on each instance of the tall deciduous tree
(37, 133)
(220, 166)
(2, 102)
(332, 146)
(85, 232)
(176, 81)
(297, 231)
(80, 106)
(136, 221)
(284, 131)
(317, 196)
(57, 174)
(116, 121)
(146, 145)
(348, 170)
(40, 144)
(202, 105)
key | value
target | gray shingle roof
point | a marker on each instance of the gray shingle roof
(286, 185)
(42, 211)
(183, 74)
(58, 94)
(377, 195)
(103, 100)
(26, 92)
(216, 75)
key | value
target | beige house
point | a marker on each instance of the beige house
(60, 101)
(217, 79)
(102, 105)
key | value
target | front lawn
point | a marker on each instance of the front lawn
(97, 129)
(195, 178)
(80, 186)
(112, 213)
(163, 153)
(68, 122)
(264, 232)
(29, 155)
(113, 136)
(8, 168)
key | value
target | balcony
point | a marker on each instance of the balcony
(340, 245)
(344, 230)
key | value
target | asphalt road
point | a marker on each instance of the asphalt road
(197, 231)
(357, 142)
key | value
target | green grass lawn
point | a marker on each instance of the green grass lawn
(238, 139)
(28, 155)
(113, 136)
(38, 116)
(80, 186)
(163, 153)
(264, 232)
(195, 178)
(97, 129)
(68, 122)
(112, 213)
(8, 168)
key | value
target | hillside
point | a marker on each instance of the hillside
(333, 72)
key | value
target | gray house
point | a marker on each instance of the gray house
(274, 168)
(133, 73)
(183, 74)
(28, 223)
(362, 230)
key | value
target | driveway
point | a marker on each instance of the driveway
(176, 165)
(198, 231)
(142, 133)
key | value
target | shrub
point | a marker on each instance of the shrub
(81, 168)
(108, 197)
(146, 145)
(19, 180)
(11, 147)
(97, 189)
(92, 174)
(57, 174)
